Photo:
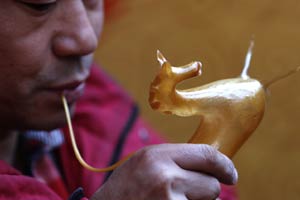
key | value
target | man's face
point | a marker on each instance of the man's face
(46, 49)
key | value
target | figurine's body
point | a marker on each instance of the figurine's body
(230, 109)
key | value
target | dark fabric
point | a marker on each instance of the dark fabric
(77, 194)
(36, 152)
(122, 138)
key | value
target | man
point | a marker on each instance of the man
(46, 51)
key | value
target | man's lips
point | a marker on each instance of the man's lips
(66, 86)
(72, 90)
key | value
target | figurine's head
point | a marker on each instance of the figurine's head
(163, 86)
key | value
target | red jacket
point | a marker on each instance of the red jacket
(107, 127)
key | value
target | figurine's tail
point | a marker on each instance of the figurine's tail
(244, 73)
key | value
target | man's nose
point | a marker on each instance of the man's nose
(75, 35)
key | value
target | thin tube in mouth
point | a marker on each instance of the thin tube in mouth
(73, 94)
(75, 148)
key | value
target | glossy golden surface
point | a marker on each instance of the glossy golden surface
(229, 109)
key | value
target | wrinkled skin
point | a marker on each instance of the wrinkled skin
(45, 46)
(170, 172)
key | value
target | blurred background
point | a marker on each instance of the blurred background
(217, 33)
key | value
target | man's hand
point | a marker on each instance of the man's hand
(170, 172)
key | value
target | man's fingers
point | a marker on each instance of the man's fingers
(205, 159)
(197, 186)
(172, 171)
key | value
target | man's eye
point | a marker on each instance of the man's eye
(40, 7)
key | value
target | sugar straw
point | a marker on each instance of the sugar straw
(75, 148)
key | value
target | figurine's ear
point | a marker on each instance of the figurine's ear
(161, 59)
